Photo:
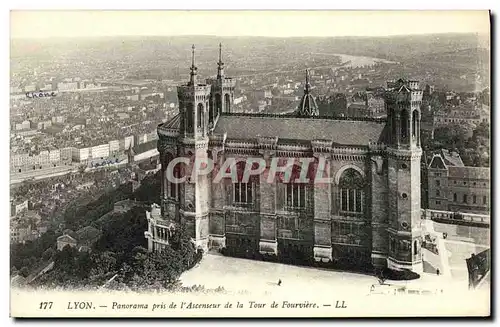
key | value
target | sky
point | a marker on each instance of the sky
(46, 24)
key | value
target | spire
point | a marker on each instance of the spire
(220, 53)
(220, 64)
(307, 106)
(307, 87)
(193, 68)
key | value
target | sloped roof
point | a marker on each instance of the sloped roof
(357, 106)
(452, 158)
(437, 162)
(342, 131)
(143, 147)
(66, 238)
(70, 233)
(147, 165)
(404, 89)
(87, 233)
(469, 172)
(348, 132)
(173, 123)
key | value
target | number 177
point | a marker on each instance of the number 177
(45, 305)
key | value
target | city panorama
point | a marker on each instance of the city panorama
(157, 171)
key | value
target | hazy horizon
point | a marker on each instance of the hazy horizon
(246, 36)
(269, 24)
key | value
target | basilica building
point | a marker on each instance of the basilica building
(369, 212)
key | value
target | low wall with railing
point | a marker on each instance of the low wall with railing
(458, 218)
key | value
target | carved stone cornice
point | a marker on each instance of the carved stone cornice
(164, 146)
(321, 146)
(241, 144)
(266, 142)
(405, 154)
(293, 154)
(293, 147)
(217, 140)
(200, 143)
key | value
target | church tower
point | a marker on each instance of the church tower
(193, 144)
(403, 99)
(222, 96)
(308, 106)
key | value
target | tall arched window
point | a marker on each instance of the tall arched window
(295, 192)
(218, 104)
(414, 121)
(172, 188)
(404, 124)
(352, 194)
(244, 191)
(393, 125)
(201, 116)
(294, 187)
(211, 110)
(189, 117)
(227, 102)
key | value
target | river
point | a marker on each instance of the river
(357, 61)
(347, 61)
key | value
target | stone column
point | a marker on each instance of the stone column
(217, 224)
(149, 232)
(322, 218)
(398, 129)
(268, 243)
(379, 213)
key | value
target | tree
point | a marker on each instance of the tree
(81, 169)
(121, 233)
(150, 189)
(121, 249)
(66, 258)
(24, 272)
(481, 133)
(474, 150)
(103, 263)
(48, 254)
(83, 265)
(452, 136)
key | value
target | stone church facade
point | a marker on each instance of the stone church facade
(369, 212)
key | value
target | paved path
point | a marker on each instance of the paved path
(250, 276)
(452, 255)
(236, 274)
